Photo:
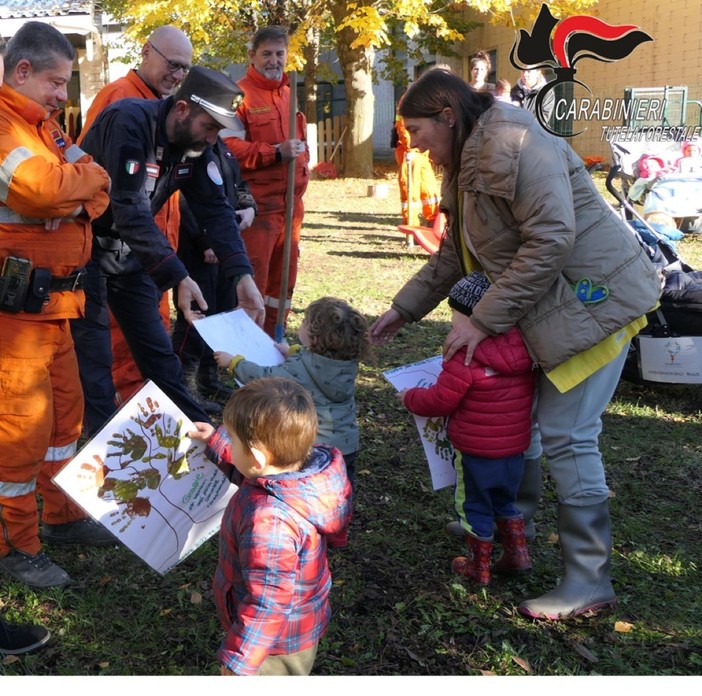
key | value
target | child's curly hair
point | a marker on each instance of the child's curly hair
(336, 330)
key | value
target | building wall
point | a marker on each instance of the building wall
(674, 57)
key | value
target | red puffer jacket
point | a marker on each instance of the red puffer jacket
(488, 402)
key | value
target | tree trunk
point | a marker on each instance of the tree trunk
(356, 64)
(311, 55)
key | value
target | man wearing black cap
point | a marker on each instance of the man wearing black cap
(152, 149)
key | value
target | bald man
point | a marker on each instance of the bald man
(166, 57)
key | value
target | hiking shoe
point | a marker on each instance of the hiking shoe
(85, 531)
(18, 639)
(35, 571)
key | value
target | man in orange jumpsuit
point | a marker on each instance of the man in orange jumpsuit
(50, 191)
(264, 148)
(165, 59)
(419, 189)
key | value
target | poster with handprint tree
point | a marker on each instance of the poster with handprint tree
(149, 484)
(432, 431)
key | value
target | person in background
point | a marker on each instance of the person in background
(196, 253)
(165, 60)
(528, 86)
(51, 191)
(419, 188)
(564, 268)
(264, 147)
(480, 67)
(272, 583)
(502, 91)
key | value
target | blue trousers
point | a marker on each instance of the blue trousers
(134, 301)
(486, 489)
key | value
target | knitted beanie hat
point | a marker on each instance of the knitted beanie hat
(466, 293)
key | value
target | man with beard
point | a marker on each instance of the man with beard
(264, 147)
(151, 149)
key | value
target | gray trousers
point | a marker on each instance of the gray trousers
(569, 427)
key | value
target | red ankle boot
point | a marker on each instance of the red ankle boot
(477, 566)
(515, 557)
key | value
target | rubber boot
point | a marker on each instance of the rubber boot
(515, 555)
(207, 406)
(586, 546)
(476, 567)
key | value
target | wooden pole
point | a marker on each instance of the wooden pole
(289, 210)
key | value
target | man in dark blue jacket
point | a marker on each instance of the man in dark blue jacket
(195, 251)
(152, 148)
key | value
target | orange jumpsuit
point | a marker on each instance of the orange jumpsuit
(265, 115)
(125, 374)
(425, 190)
(44, 176)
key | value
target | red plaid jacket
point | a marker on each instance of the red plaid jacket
(272, 583)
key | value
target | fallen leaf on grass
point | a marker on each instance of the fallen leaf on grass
(623, 626)
(9, 660)
(487, 673)
(103, 665)
(195, 598)
(104, 580)
(582, 650)
(524, 664)
(165, 612)
(553, 538)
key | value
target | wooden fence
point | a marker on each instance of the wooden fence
(330, 132)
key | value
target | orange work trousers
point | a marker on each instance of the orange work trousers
(41, 410)
(419, 188)
(265, 242)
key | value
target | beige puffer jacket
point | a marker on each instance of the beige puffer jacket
(539, 228)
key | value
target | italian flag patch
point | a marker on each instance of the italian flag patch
(131, 166)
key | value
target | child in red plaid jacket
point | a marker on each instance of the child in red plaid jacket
(272, 583)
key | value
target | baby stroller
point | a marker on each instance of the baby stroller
(662, 178)
(669, 349)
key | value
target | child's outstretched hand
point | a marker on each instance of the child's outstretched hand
(203, 432)
(223, 359)
(401, 396)
(283, 349)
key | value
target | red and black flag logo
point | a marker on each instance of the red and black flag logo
(560, 45)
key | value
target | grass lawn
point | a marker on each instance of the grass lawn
(398, 608)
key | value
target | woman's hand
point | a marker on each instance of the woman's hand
(385, 327)
(463, 333)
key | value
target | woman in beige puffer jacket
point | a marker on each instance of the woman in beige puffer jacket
(564, 269)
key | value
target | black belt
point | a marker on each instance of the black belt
(75, 281)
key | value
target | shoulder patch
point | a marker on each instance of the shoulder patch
(214, 173)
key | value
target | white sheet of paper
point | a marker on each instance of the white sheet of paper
(237, 333)
(147, 483)
(432, 431)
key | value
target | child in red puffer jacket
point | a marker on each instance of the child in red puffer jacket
(488, 403)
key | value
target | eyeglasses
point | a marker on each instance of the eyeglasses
(172, 66)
